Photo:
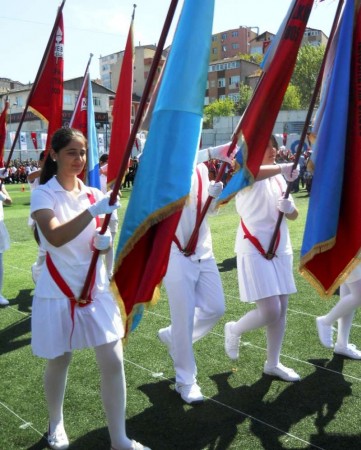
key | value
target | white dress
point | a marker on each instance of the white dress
(4, 235)
(258, 277)
(95, 324)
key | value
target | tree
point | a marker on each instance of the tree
(245, 94)
(291, 99)
(253, 57)
(218, 108)
(309, 60)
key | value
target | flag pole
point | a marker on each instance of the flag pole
(271, 249)
(40, 70)
(81, 90)
(133, 134)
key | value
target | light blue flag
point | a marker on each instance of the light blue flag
(93, 174)
(329, 150)
(163, 179)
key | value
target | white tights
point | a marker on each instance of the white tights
(271, 313)
(113, 391)
(1, 273)
(344, 310)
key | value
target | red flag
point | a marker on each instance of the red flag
(256, 125)
(46, 99)
(34, 139)
(122, 110)
(3, 118)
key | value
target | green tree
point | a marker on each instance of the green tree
(309, 60)
(291, 99)
(218, 108)
(253, 57)
(245, 94)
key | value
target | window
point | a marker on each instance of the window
(234, 97)
(224, 35)
(234, 33)
(235, 45)
(96, 101)
(234, 79)
(222, 97)
(214, 51)
(214, 38)
(221, 82)
(212, 83)
(19, 101)
(67, 99)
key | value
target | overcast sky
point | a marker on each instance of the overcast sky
(101, 27)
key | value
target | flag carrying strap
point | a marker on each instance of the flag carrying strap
(191, 250)
(254, 240)
(64, 287)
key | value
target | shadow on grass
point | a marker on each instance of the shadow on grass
(320, 394)
(170, 424)
(227, 264)
(11, 335)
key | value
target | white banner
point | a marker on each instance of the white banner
(44, 137)
(101, 143)
(12, 136)
(23, 144)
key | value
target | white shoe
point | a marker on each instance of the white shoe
(280, 371)
(135, 446)
(190, 393)
(231, 341)
(164, 337)
(3, 301)
(58, 440)
(350, 351)
(325, 333)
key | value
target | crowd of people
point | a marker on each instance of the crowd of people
(66, 216)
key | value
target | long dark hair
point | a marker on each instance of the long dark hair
(274, 141)
(59, 140)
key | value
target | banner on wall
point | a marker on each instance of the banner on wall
(43, 138)
(23, 144)
(101, 143)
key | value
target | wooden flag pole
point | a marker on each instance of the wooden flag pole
(271, 249)
(133, 134)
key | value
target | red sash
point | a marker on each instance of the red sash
(199, 210)
(64, 287)
(254, 240)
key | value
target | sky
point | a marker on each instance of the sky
(100, 27)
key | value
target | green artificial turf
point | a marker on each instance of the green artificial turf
(243, 409)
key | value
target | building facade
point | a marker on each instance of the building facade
(110, 67)
(230, 43)
(225, 77)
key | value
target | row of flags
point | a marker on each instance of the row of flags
(164, 175)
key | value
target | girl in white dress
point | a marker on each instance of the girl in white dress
(66, 215)
(267, 282)
(4, 236)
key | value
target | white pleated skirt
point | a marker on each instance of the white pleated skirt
(95, 324)
(260, 278)
(4, 237)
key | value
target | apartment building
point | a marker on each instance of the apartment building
(225, 76)
(110, 67)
